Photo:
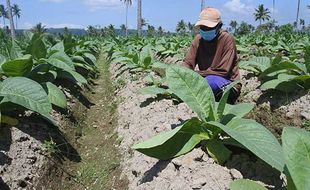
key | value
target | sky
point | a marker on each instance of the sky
(165, 13)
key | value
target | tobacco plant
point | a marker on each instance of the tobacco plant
(219, 124)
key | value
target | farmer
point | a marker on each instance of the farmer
(214, 51)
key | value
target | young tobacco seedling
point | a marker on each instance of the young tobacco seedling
(218, 124)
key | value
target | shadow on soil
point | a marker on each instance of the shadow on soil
(278, 99)
(154, 171)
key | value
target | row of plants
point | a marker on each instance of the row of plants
(220, 124)
(33, 69)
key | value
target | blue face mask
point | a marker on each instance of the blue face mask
(208, 35)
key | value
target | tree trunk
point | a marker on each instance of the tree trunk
(273, 7)
(16, 22)
(202, 4)
(11, 19)
(139, 26)
(297, 17)
(126, 20)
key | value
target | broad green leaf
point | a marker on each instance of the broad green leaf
(61, 60)
(152, 90)
(192, 89)
(279, 67)
(55, 95)
(255, 137)
(260, 64)
(173, 143)
(58, 47)
(147, 62)
(121, 60)
(2, 59)
(15, 51)
(90, 58)
(296, 147)
(245, 184)
(18, 67)
(218, 151)
(37, 47)
(27, 93)
(238, 110)
(72, 76)
(222, 103)
(282, 85)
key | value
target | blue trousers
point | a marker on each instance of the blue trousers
(217, 83)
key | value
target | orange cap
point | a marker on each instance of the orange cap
(209, 17)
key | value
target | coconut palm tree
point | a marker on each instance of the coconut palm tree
(16, 12)
(202, 4)
(8, 3)
(127, 2)
(3, 13)
(297, 16)
(233, 24)
(190, 27)
(261, 14)
(39, 28)
(181, 27)
(123, 29)
(150, 30)
(160, 31)
(139, 18)
(302, 23)
(143, 23)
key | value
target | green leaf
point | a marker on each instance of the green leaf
(72, 76)
(58, 47)
(174, 143)
(2, 59)
(222, 103)
(279, 67)
(296, 147)
(15, 51)
(18, 67)
(90, 58)
(55, 95)
(238, 110)
(255, 138)
(245, 184)
(218, 151)
(260, 64)
(192, 89)
(61, 60)
(121, 60)
(37, 47)
(27, 93)
(152, 90)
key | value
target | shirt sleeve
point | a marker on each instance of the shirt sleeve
(227, 61)
(190, 59)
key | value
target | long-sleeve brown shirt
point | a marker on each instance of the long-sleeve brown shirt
(218, 57)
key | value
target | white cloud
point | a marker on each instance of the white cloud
(28, 25)
(237, 7)
(95, 5)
